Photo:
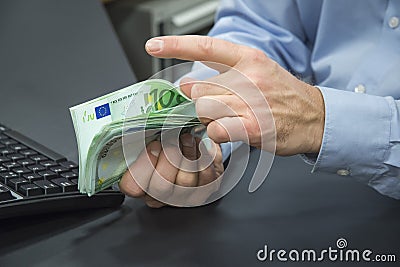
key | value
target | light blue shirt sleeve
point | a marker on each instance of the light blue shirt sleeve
(271, 26)
(361, 139)
(349, 50)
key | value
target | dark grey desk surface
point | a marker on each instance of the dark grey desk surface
(53, 55)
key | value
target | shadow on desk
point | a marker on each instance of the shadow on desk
(20, 232)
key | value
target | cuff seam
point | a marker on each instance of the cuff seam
(324, 136)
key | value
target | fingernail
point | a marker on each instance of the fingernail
(187, 140)
(154, 45)
(155, 152)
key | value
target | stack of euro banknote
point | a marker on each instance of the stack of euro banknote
(112, 130)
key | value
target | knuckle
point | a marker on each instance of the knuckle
(138, 192)
(160, 187)
(195, 93)
(186, 180)
(199, 90)
(130, 188)
(174, 44)
(259, 55)
(255, 55)
(122, 188)
(217, 132)
(206, 45)
(154, 204)
(253, 131)
(203, 111)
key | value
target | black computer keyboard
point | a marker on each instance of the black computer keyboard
(37, 180)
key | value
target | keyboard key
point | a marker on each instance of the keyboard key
(11, 165)
(38, 158)
(69, 164)
(8, 142)
(21, 170)
(16, 183)
(48, 174)
(5, 151)
(3, 128)
(32, 177)
(3, 169)
(48, 163)
(59, 169)
(4, 176)
(48, 187)
(75, 181)
(18, 147)
(5, 193)
(4, 159)
(30, 190)
(75, 171)
(66, 185)
(36, 168)
(2, 137)
(26, 162)
(69, 175)
(15, 156)
(35, 145)
(28, 152)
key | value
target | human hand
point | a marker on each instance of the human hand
(161, 175)
(237, 114)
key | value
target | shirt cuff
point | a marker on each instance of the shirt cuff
(228, 148)
(358, 139)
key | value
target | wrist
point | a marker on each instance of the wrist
(304, 122)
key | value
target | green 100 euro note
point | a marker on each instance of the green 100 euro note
(142, 111)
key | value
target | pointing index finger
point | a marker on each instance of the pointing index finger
(194, 48)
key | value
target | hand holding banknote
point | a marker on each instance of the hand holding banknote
(152, 127)
(145, 177)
